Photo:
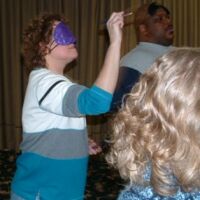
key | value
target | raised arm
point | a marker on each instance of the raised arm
(108, 75)
(97, 99)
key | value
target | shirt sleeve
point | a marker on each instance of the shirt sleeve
(72, 100)
(51, 92)
(126, 80)
(94, 101)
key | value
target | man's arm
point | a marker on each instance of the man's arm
(126, 80)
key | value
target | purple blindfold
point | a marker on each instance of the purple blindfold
(62, 35)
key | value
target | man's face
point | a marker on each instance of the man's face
(160, 28)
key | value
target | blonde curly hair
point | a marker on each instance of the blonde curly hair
(159, 124)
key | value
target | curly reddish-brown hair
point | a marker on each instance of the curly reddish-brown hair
(36, 37)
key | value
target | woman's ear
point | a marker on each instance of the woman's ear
(44, 48)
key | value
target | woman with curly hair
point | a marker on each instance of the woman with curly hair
(53, 163)
(156, 139)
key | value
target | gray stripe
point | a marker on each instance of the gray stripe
(56, 143)
(70, 101)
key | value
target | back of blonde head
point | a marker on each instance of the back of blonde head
(159, 125)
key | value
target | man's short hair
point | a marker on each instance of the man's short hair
(144, 12)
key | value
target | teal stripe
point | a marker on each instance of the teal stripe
(94, 101)
(50, 178)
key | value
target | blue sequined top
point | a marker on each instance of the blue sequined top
(136, 192)
(147, 193)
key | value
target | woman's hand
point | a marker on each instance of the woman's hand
(108, 75)
(114, 26)
(94, 148)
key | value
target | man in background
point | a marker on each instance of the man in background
(154, 32)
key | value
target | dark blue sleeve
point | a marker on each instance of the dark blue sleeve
(126, 80)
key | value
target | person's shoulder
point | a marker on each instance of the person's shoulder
(142, 56)
(147, 193)
(126, 194)
(46, 75)
(133, 193)
(138, 60)
(40, 73)
(42, 79)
